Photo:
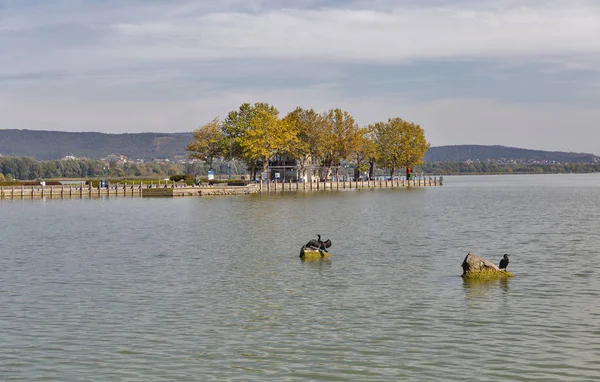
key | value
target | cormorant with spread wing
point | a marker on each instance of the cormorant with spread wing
(504, 262)
(319, 244)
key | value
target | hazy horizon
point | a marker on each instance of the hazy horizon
(511, 73)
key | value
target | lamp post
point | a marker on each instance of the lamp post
(230, 158)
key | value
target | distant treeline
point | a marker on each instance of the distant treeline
(24, 168)
(451, 168)
(502, 154)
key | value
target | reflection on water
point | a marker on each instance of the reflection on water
(201, 289)
(475, 288)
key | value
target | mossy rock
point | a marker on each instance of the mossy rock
(477, 268)
(486, 274)
(313, 254)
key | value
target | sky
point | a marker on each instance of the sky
(515, 73)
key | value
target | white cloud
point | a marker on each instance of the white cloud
(369, 36)
(543, 30)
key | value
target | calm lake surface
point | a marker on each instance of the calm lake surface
(212, 289)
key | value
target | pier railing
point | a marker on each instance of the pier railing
(419, 181)
(180, 189)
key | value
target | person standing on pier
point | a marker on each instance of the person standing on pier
(408, 173)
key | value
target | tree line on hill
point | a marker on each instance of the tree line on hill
(502, 154)
(51, 145)
(457, 168)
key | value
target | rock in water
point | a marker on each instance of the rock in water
(475, 266)
(312, 254)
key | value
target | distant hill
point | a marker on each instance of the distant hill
(48, 145)
(502, 154)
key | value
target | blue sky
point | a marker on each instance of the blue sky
(516, 73)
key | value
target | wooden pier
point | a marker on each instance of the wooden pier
(70, 191)
(422, 181)
(168, 189)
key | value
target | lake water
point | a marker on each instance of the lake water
(212, 289)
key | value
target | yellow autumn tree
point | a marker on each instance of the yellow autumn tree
(207, 143)
(265, 135)
(399, 144)
(341, 137)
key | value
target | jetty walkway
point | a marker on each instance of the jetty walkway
(169, 189)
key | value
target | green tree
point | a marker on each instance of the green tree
(237, 124)
(366, 152)
(400, 144)
(208, 143)
(2, 179)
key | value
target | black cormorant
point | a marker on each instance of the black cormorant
(504, 262)
(319, 244)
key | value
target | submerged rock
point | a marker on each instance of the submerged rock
(475, 266)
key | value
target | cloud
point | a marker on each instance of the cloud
(403, 34)
(568, 31)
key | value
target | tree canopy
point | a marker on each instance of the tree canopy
(255, 134)
(399, 144)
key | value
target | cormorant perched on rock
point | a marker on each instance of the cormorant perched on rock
(504, 262)
(319, 244)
